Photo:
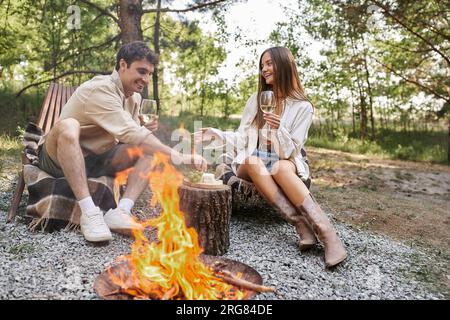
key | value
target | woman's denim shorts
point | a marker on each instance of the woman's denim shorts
(268, 158)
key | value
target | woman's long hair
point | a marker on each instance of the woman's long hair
(286, 82)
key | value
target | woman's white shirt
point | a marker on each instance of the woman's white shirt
(287, 140)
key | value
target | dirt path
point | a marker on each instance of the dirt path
(405, 200)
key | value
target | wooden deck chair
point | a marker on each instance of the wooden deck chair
(55, 98)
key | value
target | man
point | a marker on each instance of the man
(97, 126)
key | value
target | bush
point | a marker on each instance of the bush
(18, 111)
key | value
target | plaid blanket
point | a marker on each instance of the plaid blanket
(31, 140)
(51, 202)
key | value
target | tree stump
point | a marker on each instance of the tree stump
(208, 211)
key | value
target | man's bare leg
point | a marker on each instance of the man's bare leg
(63, 147)
(119, 219)
(137, 181)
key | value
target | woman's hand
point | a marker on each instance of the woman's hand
(204, 135)
(272, 119)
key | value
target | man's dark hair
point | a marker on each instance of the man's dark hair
(136, 50)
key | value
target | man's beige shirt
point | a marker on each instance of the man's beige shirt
(105, 115)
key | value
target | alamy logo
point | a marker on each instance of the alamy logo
(374, 277)
(374, 12)
(74, 18)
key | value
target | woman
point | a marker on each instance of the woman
(274, 162)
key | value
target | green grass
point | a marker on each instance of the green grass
(10, 150)
(22, 248)
(9, 145)
(392, 144)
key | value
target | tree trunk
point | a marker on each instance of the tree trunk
(208, 211)
(226, 109)
(448, 114)
(156, 32)
(363, 110)
(202, 102)
(130, 14)
(369, 91)
(353, 111)
(448, 149)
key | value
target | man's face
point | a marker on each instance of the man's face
(135, 76)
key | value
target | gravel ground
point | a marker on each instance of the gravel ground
(62, 265)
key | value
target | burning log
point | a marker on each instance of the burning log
(228, 277)
(208, 211)
(224, 269)
(221, 272)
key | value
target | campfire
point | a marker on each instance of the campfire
(173, 266)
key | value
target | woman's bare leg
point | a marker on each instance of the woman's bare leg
(285, 175)
(254, 170)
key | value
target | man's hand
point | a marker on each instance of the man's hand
(197, 160)
(152, 125)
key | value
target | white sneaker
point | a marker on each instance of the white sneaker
(93, 227)
(120, 221)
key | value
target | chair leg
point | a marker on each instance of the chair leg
(16, 198)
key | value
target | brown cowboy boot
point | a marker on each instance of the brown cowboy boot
(335, 252)
(306, 233)
(288, 212)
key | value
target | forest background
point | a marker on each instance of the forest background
(379, 80)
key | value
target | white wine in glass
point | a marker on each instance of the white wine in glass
(148, 110)
(266, 102)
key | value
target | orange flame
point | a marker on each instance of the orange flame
(121, 179)
(135, 151)
(170, 268)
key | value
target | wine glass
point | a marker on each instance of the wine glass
(148, 110)
(266, 102)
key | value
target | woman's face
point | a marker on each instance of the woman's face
(267, 68)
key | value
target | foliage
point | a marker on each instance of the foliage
(46, 47)
(383, 69)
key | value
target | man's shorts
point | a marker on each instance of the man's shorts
(97, 165)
